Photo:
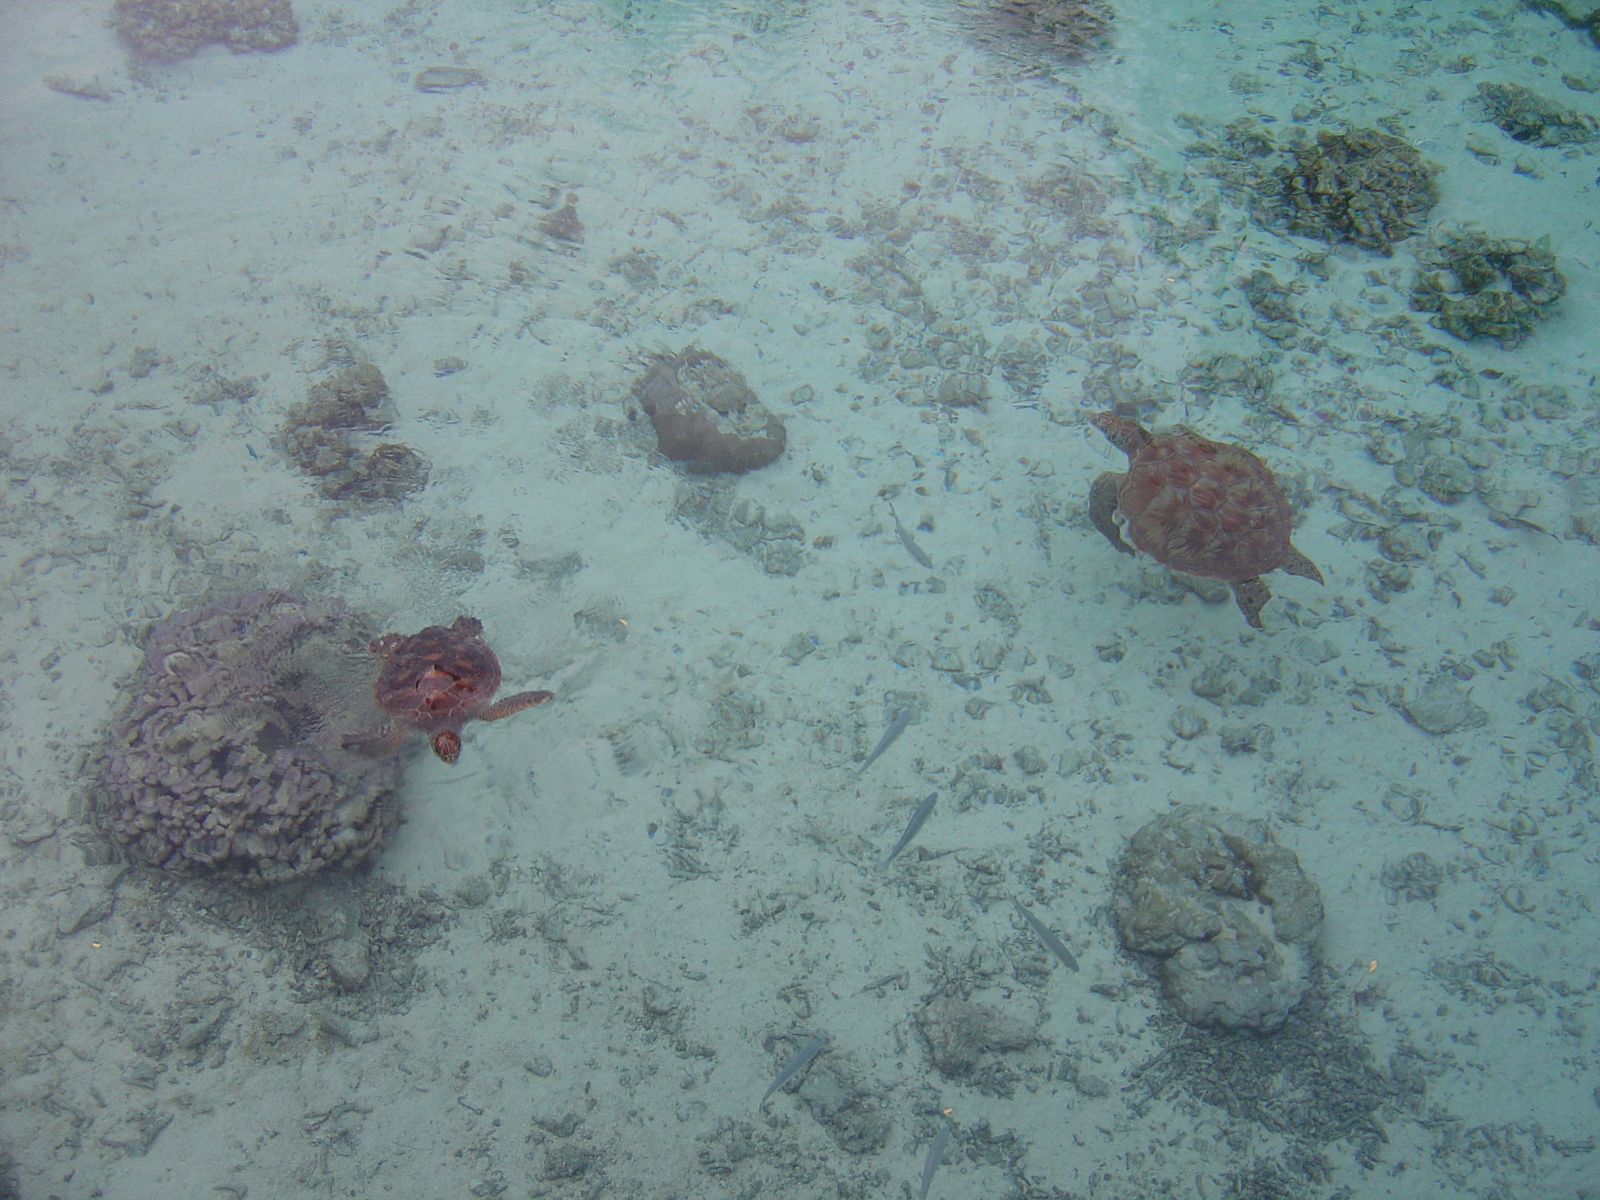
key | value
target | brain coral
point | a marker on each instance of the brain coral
(1230, 915)
(229, 758)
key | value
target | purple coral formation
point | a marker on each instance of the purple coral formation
(229, 759)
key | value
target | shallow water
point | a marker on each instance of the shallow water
(932, 249)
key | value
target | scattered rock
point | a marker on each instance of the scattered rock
(81, 905)
(567, 1161)
(960, 1032)
(1442, 707)
(349, 961)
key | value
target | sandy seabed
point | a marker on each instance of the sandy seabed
(594, 941)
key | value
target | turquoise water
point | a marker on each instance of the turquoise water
(389, 315)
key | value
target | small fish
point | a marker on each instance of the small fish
(438, 79)
(931, 1163)
(912, 826)
(252, 450)
(906, 540)
(793, 1067)
(1507, 521)
(896, 728)
(1055, 944)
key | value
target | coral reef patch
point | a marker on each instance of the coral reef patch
(1230, 915)
(169, 30)
(323, 437)
(706, 416)
(1362, 186)
(229, 761)
(1486, 287)
(1066, 30)
(1523, 114)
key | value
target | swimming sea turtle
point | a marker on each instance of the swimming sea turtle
(1198, 506)
(437, 681)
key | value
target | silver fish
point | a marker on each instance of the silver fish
(906, 540)
(793, 1067)
(931, 1163)
(896, 728)
(1055, 944)
(912, 826)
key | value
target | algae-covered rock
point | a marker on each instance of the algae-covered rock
(1229, 912)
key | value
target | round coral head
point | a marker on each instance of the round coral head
(447, 745)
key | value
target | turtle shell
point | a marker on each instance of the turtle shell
(438, 674)
(1205, 508)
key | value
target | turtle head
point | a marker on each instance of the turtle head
(447, 745)
(1122, 433)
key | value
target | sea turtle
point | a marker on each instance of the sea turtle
(437, 681)
(1198, 506)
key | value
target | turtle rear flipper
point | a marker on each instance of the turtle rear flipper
(1252, 595)
(1103, 507)
(1299, 564)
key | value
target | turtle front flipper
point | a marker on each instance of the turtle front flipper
(1298, 564)
(1103, 508)
(514, 704)
(375, 743)
(1252, 595)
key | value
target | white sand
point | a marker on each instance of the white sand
(233, 214)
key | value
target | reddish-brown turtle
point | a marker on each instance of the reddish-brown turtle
(437, 681)
(1198, 506)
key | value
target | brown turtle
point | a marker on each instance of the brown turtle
(1198, 506)
(437, 681)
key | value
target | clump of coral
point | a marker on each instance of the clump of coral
(168, 30)
(706, 416)
(1485, 287)
(1230, 915)
(229, 759)
(1074, 199)
(1362, 186)
(323, 437)
(1062, 29)
(1529, 117)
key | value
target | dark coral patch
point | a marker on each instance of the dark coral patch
(169, 30)
(706, 416)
